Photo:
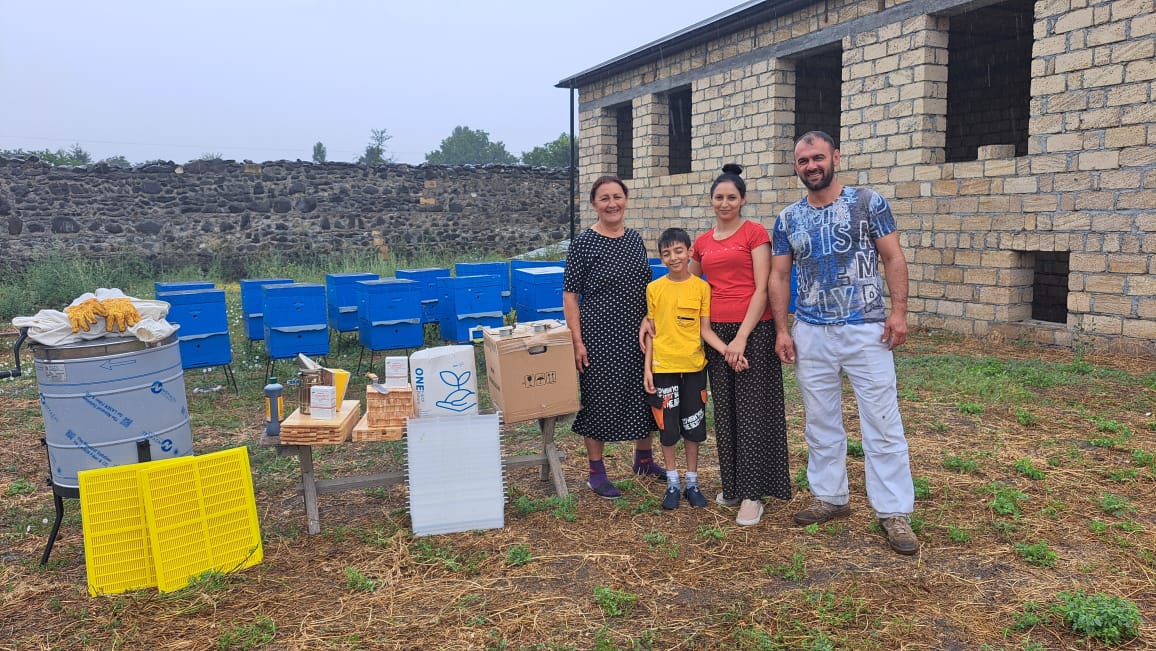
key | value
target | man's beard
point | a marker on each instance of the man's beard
(823, 181)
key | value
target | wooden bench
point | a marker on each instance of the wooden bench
(549, 462)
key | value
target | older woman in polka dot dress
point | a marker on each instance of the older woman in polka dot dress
(604, 300)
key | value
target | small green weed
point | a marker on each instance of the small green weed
(647, 505)
(960, 464)
(922, 487)
(1038, 554)
(709, 533)
(355, 580)
(1030, 617)
(958, 534)
(654, 538)
(20, 487)
(249, 636)
(424, 552)
(1142, 458)
(939, 427)
(1115, 505)
(614, 603)
(1125, 475)
(791, 570)
(1115, 433)
(855, 448)
(801, 480)
(518, 555)
(812, 529)
(1005, 499)
(1108, 619)
(1025, 417)
(1097, 526)
(1027, 469)
(970, 408)
(563, 509)
(657, 540)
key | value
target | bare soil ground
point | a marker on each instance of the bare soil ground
(624, 574)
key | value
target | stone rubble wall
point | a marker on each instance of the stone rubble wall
(225, 212)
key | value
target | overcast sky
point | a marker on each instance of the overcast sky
(265, 79)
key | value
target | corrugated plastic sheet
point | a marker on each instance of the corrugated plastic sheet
(455, 474)
(116, 542)
(192, 515)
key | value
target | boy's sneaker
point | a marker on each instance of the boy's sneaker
(649, 468)
(749, 513)
(899, 535)
(670, 500)
(722, 500)
(602, 487)
(819, 512)
(694, 496)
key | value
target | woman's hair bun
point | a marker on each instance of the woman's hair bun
(733, 168)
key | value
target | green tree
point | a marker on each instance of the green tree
(209, 156)
(116, 161)
(74, 155)
(466, 146)
(375, 150)
(552, 154)
(319, 152)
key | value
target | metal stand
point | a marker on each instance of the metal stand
(58, 495)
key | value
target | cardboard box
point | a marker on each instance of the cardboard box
(531, 374)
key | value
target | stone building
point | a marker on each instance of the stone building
(1015, 140)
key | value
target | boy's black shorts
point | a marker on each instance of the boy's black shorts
(679, 406)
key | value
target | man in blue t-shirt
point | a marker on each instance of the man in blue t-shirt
(838, 237)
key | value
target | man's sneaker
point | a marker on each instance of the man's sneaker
(649, 468)
(602, 487)
(694, 496)
(750, 513)
(899, 535)
(670, 500)
(819, 512)
(722, 500)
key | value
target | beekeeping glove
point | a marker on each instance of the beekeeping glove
(83, 312)
(120, 313)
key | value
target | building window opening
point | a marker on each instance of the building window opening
(1050, 287)
(989, 76)
(624, 140)
(679, 143)
(819, 92)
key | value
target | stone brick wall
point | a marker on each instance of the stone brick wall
(226, 212)
(1083, 184)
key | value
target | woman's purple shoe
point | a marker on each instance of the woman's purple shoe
(602, 487)
(648, 468)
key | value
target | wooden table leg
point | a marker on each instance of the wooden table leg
(552, 464)
(309, 488)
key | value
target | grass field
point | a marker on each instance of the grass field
(1034, 469)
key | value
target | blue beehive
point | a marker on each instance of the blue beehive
(204, 326)
(294, 319)
(341, 299)
(499, 269)
(468, 302)
(389, 314)
(252, 304)
(427, 278)
(160, 287)
(530, 264)
(539, 293)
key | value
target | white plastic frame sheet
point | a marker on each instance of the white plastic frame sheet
(455, 474)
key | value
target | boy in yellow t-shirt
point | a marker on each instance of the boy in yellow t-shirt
(678, 307)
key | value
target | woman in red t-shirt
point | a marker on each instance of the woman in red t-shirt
(747, 381)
